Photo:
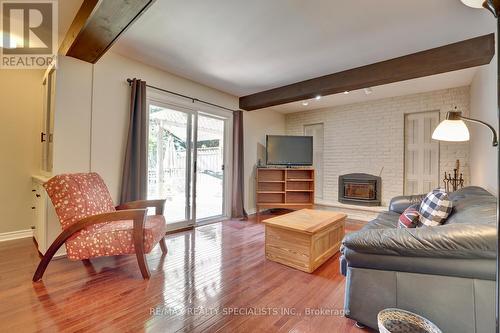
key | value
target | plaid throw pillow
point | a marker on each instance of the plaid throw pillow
(410, 217)
(435, 208)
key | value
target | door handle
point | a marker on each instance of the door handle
(42, 137)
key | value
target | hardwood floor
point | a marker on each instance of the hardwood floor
(211, 280)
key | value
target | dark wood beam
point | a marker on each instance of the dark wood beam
(97, 26)
(468, 53)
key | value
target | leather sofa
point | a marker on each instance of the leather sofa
(444, 273)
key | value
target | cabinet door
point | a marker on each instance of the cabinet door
(47, 135)
(40, 216)
(47, 226)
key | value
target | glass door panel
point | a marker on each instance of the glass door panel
(168, 161)
(186, 156)
(209, 167)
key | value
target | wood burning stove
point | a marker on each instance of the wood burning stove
(360, 189)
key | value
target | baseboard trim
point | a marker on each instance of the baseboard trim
(7, 236)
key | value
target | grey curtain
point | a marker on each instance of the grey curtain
(134, 178)
(237, 205)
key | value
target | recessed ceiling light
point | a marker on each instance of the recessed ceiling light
(305, 103)
(368, 91)
(346, 92)
(318, 97)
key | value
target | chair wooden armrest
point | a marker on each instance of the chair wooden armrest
(157, 204)
(137, 215)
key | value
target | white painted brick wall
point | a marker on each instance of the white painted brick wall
(366, 137)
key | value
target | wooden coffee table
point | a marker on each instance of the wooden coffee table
(304, 239)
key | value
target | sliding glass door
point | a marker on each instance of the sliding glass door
(168, 160)
(186, 157)
(210, 167)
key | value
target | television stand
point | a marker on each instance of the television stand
(290, 188)
(284, 167)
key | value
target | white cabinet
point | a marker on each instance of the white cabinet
(39, 216)
(47, 226)
(46, 136)
(65, 138)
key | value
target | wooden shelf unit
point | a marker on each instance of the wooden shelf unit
(291, 188)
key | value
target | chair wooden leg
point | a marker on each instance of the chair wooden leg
(143, 265)
(139, 253)
(42, 266)
(163, 246)
(88, 266)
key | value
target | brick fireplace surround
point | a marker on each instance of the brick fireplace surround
(368, 138)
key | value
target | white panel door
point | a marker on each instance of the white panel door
(421, 153)
(317, 131)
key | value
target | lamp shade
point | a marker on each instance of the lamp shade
(473, 3)
(451, 130)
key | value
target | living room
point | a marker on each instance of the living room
(224, 166)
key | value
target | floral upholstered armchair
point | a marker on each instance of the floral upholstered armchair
(93, 227)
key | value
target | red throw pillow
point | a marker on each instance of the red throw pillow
(410, 217)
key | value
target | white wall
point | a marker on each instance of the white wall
(369, 137)
(110, 116)
(20, 119)
(256, 125)
(96, 123)
(111, 110)
(483, 106)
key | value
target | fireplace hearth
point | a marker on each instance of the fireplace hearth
(360, 189)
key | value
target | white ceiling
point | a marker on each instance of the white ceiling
(242, 47)
(67, 10)
(430, 83)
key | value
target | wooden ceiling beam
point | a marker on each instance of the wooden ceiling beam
(465, 54)
(97, 26)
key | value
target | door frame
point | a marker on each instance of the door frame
(194, 109)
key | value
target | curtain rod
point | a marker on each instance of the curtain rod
(193, 99)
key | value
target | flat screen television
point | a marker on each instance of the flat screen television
(289, 150)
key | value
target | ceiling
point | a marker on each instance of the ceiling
(242, 47)
(67, 10)
(425, 84)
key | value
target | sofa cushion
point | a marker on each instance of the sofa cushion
(384, 220)
(467, 241)
(410, 217)
(472, 205)
(400, 203)
(478, 268)
(435, 208)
